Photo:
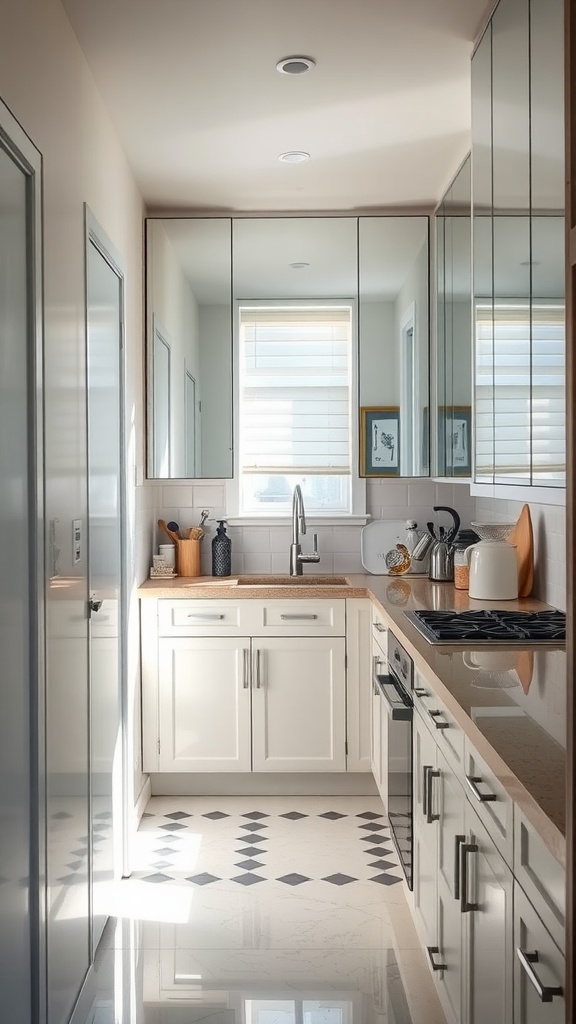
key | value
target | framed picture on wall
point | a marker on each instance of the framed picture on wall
(380, 440)
(454, 425)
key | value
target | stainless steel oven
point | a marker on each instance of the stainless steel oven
(392, 682)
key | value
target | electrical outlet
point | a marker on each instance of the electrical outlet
(76, 541)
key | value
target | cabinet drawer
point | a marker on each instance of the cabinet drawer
(539, 968)
(490, 800)
(299, 618)
(203, 618)
(541, 876)
(433, 711)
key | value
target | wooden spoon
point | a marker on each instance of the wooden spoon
(164, 526)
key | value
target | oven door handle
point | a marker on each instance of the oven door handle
(397, 710)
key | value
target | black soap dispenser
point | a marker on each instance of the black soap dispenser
(221, 551)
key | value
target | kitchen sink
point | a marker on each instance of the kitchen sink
(293, 581)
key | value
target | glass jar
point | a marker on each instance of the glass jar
(461, 569)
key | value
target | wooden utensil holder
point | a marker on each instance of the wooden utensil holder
(188, 557)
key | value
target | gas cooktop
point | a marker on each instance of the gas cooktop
(497, 626)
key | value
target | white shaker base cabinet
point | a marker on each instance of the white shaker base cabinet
(539, 968)
(204, 706)
(241, 704)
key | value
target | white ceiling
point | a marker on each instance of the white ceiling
(202, 113)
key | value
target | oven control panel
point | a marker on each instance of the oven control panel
(399, 662)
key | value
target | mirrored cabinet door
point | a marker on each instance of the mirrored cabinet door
(189, 350)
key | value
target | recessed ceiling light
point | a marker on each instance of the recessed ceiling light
(295, 65)
(294, 156)
(299, 266)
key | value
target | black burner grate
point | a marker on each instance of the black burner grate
(494, 626)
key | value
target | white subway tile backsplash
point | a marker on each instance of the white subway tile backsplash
(255, 539)
(209, 496)
(345, 561)
(175, 495)
(280, 539)
(257, 563)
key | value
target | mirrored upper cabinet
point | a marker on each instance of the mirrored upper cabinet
(518, 253)
(205, 277)
(454, 328)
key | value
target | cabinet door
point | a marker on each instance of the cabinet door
(451, 835)
(538, 968)
(486, 898)
(376, 740)
(299, 704)
(204, 704)
(358, 687)
(425, 833)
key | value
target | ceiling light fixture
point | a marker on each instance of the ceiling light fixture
(295, 65)
(299, 266)
(294, 156)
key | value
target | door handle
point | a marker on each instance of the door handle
(432, 951)
(435, 715)
(257, 676)
(472, 782)
(465, 905)
(433, 773)
(246, 668)
(425, 769)
(458, 840)
(304, 617)
(546, 993)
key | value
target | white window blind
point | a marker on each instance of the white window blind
(519, 399)
(295, 369)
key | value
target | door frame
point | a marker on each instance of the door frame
(97, 237)
(22, 150)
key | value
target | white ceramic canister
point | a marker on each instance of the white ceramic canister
(168, 553)
(493, 571)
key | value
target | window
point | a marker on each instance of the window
(295, 406)
(520, 403)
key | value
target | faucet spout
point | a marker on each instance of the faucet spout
(298, 527)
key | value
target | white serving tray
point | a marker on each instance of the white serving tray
(376, 540)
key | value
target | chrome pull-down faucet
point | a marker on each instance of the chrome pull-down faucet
(299, 527)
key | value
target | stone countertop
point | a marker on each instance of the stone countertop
(509, 701)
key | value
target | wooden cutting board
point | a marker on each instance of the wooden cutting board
(523, 538)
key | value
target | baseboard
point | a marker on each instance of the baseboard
(263, 784)
(141, 801)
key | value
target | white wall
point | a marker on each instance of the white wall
(47, 85)
(216, 416)
(379, 372)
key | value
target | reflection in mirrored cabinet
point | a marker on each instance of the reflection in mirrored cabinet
(518, 246)
(454, 328)
(320, 316)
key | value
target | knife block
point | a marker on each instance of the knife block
(188, 557)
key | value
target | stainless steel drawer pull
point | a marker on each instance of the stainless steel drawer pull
(246, 668)
(433, 773)
(379, 627)
(295, 618)
(426, 768)
(257, 671)
(208, 617)
(432, 951)
(420, 692)
(465, 905)
(472, 781)
(546, 993)
(435, 716)
(458, 840)
(376, 661)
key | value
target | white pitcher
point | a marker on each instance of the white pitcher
(493, 571)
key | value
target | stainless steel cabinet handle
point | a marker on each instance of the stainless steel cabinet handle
(205, 618)
(430, 816)
(246, 668)
(458, 840)
(472, 781)
(375, 662)
(296, 618)
(432, 951)
(426, 768)
(465, 905)
(257, 675)
(420, 692)
(546, 993)
(434, 715)
(379, 627)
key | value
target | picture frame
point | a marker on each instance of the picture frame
(454, 426)
(380, 440)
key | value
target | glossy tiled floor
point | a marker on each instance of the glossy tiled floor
(262, 911)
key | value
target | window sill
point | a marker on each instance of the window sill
(330, 519)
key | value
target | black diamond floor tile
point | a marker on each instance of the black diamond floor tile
(249, 865)
(251, 851)
(252, 839)
(332, 815)
(385, 879)
(253, 827)
(373, 826)
(378, 851)
(74, 865)
(162, 864)
(256, 815)
(293, 815)
(248, 879)
(165, 851)
(215, 815)
(369, 815)
(79, 853)
(339, 879)
(382, 864)
(293, 879)
(176, 815)
(173, 827)
(158, 877)
(373, 838)
(203, 879)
